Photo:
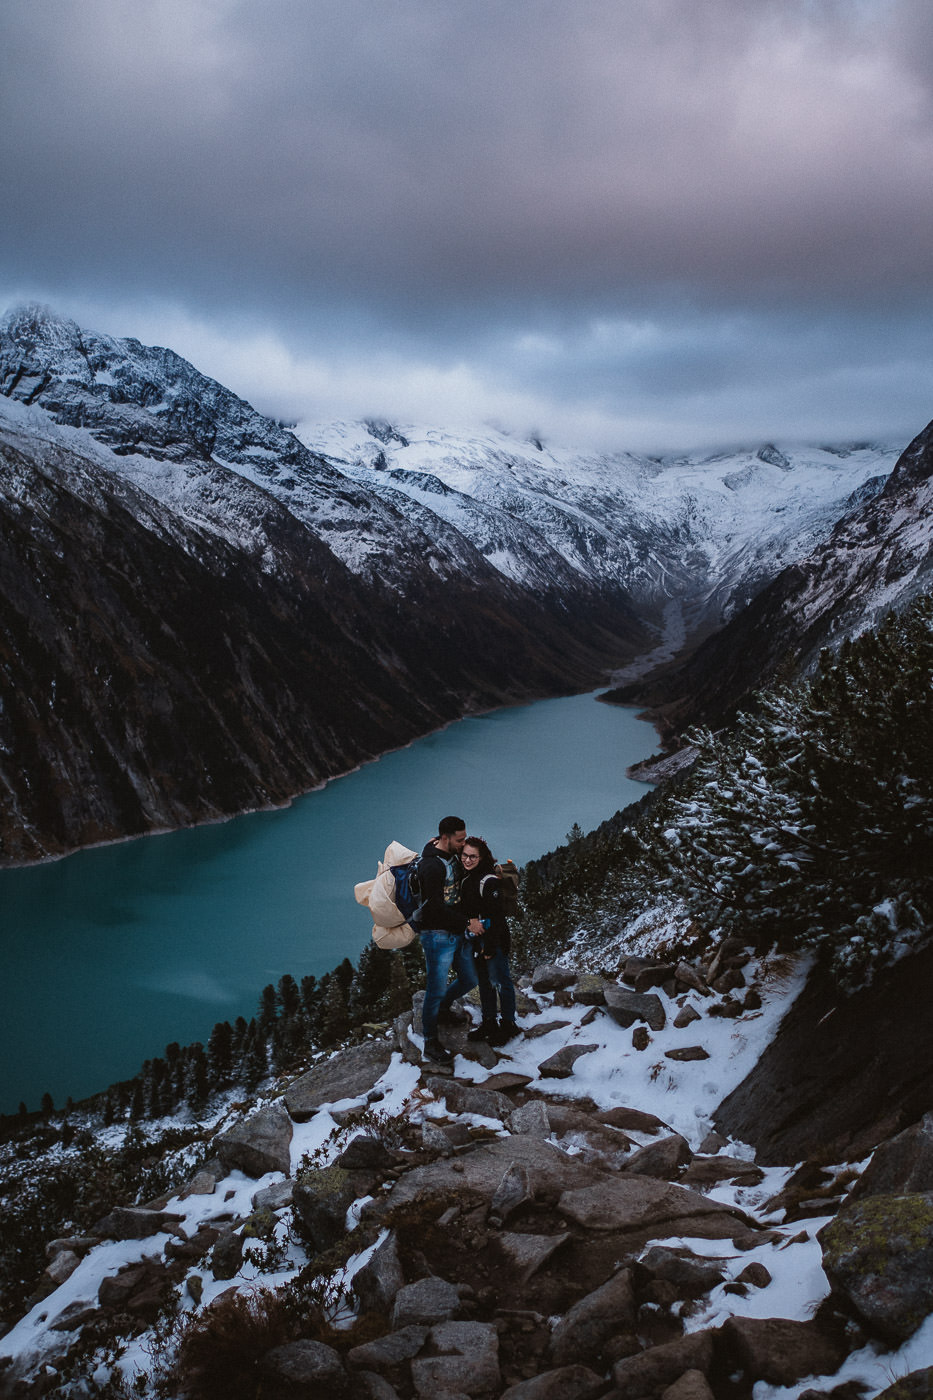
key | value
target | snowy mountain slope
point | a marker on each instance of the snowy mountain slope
(879, 556)
(707, 531)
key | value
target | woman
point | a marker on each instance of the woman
(481, 899)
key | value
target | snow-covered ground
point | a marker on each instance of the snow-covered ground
(612, 1074)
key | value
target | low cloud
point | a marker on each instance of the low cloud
(614, 214)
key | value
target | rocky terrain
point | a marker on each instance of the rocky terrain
(565, 1217)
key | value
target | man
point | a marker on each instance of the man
(443, 928)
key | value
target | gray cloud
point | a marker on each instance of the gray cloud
(459, 183)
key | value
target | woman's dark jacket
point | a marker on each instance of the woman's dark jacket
(486, 905)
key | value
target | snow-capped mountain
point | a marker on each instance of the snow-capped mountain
(878, 557)
(706, 532)
(205, 611)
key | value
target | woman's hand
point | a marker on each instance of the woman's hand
(475, 927)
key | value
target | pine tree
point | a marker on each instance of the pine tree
(220, 1055)
(397, 996)
(198, 1084)
(334, 1022)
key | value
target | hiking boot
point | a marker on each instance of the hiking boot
(435, 1051)
(484, 1031)
(451, 1016)
(506, 1031)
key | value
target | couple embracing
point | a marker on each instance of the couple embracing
(463, 927)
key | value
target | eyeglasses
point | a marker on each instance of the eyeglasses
(467, 855)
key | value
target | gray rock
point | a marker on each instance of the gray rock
(589, 990)
(549, 1170)
(560, 1065)
(139, 1289)
(513, 1192)
(467, 1360)
(659, 1367)
(365, 1153)
(604, 1313)
(902, 1166)
(136, 1223)
(321, 1201)
(634, 1120)
(687, 974)
(634, 1202)
(62, 1266)
(403, 1042)
(258, 1144)
(302, 1364)
(781, 1352)
(663, 1159)
(565, 1383)
(367, 1385)
(531, 1118)
(435, 1139)
(470, 1098)
(545, 1028)
(755, 1274)
(274, 1197)
(75, 1316)
(687, 1052)
(878, 1252)
(551, 978)
(692, 1385)
(917, 1386)
(346, 1075)
(380, 1279)
(641, 1038)
(654, 976)
(526, 1254)
(424, 1303)
(386, 1352)
(686, 1017)
(626, 1008)
(227, 1256)
(706, 1171)
(203, 1183)
(690, 1275)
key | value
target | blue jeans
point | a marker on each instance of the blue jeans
(442, 951)
(494, 973)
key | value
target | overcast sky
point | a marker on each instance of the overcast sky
(631, 223)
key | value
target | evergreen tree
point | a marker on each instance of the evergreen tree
(288, 997)
(397, 996)
(813, 821)
(255, 1058)
(334, 1021)
(198, 1084)
(47, 1105)
(268, 1010)
(220, 1055)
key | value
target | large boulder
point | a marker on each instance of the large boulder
(607, 1312)
(466, 1360)
(471, 1098)
(303, 1368)
(380, 1278)
(321, 1200)
(259, 1144)
(346, 1075)
(425, 1303)
(564, 1383)
(917, 1386)
(653, 1370)
(626, 1008)
(637, 1204)
(480, 1172)
(902, 1166)
(779, 1351)
(878, 1252)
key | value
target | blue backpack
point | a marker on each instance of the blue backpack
(408, 896)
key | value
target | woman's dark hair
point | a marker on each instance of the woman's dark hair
(486, 863)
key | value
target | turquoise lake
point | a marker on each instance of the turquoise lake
(112, 953)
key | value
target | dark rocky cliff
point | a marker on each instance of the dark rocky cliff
(153, 675)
